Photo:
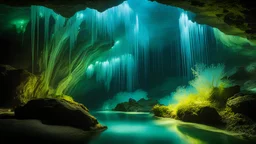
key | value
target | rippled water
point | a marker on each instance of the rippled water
(143, 128)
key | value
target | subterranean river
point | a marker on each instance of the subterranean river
(143, 128)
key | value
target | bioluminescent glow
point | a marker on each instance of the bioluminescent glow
(20, 24)
(123, 68)
(124, 97)
(63, 62)
(180, 92)
(193, 43)
(142, 128)
(206, 78)
(117, 46)
(234, 42)
(251, 67)
(129, 128)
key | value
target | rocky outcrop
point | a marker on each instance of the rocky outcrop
(237, 115)
(245, 104)
(204, 115)
(239, 123)
(142, 105)
(220, 96)
(231, 17)
(59, 112)
(131, 106)
(14, 84)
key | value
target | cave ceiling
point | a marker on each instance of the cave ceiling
(234, 17)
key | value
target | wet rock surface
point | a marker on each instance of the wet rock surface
(59, 112)
(205, 115)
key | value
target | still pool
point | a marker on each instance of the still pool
(143, 128)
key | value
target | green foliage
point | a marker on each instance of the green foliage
(162, 111)
(200, 91)
(192, 106)
(209, 77)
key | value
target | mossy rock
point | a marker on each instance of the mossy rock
(220, 96)
(239, 123)
(245, 104)
(131, 106)
(162, 111)
(200, 114)
(136, 106)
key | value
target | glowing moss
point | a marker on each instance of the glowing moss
(199, 93)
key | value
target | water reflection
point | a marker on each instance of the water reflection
(143, 128)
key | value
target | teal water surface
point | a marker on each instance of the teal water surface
(143, 128)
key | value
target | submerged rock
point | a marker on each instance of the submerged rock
(200, 114)
(245, 104)
(59, 112)
(142, 105)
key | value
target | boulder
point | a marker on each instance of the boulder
(142, 105)
(131, 106)
(244, 104)
(220, 96)
(204, 115)
(147, 105)
(59, 112)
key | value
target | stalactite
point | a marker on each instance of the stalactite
(193, 44)
(37, 36)
(122, 68)
(33, 28)
(110, 45)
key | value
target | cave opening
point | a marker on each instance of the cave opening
(139, 56)
(125, 48)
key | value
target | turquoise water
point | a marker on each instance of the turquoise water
(143, 128)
